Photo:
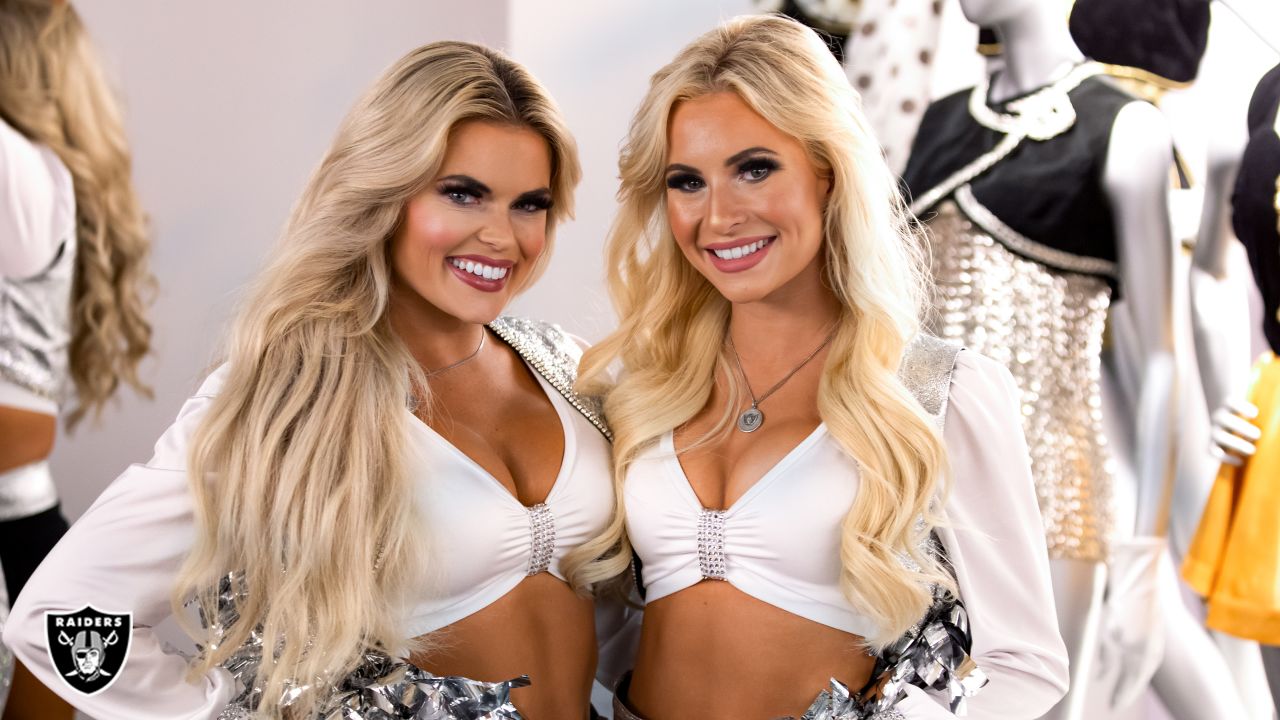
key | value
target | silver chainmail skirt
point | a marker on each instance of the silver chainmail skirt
(1046, 325)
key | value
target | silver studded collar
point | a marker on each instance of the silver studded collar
(551, 352)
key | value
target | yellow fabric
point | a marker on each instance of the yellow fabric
(1234, 559)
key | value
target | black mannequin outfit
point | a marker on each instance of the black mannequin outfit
(1025, 263)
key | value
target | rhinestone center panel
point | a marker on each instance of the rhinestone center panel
(542, 538)
(711, 544)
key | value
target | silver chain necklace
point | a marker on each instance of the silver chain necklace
(752, 419)
(483, 334)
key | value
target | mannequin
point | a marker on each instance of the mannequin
(1229, 560)
(1151, 48)
(1132, 441)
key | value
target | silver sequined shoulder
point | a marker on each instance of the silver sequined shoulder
(554, 354)
(926, 370)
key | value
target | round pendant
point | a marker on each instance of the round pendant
(750, 420)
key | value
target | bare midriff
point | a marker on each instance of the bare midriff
(713, 652)
(542, 629)
(27, 437)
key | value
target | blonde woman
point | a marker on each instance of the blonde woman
(383, 465)
(72, 251)
(785, 442)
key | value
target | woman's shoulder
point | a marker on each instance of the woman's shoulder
(977, 374)
(554, 353)
(173, 446)
(937, 371)
(37, 204)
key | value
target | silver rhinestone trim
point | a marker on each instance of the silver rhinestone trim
(966, 174)
(555, 356)
(1024, 245)
(1042, 115)
(542, 538)
(711, 560)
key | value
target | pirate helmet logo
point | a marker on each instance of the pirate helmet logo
(88, 646)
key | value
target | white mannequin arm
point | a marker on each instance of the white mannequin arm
(1136, 180)
(1219, 327)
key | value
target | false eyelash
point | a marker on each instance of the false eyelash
(678, 181)
(759, 163)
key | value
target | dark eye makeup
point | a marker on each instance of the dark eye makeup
(534, 202)
(465, 190)
(757, 168)
(751, 165)
(685, 182)
(462, 190)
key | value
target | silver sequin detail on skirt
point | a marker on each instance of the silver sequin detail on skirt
(711, 544)
(35, 320)
(1046, 325)
(542, 537)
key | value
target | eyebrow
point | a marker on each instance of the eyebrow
(744, 154)
(733, 159)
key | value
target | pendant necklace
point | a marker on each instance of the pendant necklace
(752, 419)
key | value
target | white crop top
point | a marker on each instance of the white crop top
(123, 554)
(779, 542)
(37, 216)
(488, 542)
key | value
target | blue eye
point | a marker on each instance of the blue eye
(460, 195)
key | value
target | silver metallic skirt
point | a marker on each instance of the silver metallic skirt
(1045, 323)
(26, 491)
(381, 687)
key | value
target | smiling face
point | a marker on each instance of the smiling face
(470, 239)
(744, 201)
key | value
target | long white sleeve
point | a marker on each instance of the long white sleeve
(123, 556)
(37, 205)
(996, 543)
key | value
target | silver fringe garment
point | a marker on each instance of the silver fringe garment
(382, 687)
(933, 655)
(35, 319)
(1039, 311)
(35, 332)
(379, 688)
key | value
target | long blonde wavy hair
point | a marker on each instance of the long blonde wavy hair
(297, 471)
(53, 92)
(672, 321)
